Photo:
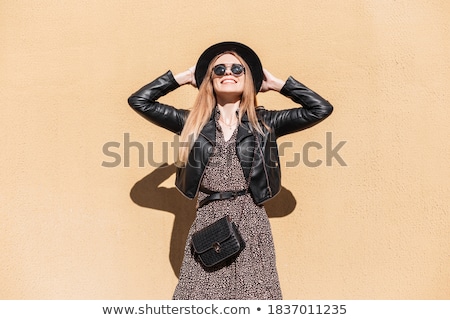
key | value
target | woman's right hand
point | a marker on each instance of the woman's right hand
(186, 77)
(192, 81)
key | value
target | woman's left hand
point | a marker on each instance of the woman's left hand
(270, 82)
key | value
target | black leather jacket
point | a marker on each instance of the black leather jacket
(252, 148)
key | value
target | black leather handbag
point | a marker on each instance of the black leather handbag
(218, 243)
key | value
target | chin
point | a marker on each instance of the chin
(229, 90)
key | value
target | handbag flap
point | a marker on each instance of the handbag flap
(217, 232)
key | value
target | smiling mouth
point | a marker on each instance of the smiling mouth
(228, 81)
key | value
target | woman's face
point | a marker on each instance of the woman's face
(229, 84)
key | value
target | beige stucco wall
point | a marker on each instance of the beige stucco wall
(72, 228)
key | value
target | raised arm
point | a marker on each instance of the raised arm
(314, 108)
(144, 101)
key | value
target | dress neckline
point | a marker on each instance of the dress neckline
(219, 128)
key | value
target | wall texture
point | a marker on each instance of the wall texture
(74, 225)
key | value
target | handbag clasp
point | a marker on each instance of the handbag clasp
(216, 247)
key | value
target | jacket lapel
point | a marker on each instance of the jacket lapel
(209, 131)
(244, 129)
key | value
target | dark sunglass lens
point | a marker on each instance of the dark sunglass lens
(219, 70)
(237, 69)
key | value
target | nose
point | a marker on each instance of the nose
(228, 70)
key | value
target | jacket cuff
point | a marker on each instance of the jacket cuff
(171, 83)
(290, 84)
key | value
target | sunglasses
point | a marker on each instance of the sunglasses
(236, 69)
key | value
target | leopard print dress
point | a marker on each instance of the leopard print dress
(253, 274)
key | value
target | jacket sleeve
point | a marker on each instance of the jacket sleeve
(314, 109)
(144, 101)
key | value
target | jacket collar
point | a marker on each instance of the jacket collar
(209, 130)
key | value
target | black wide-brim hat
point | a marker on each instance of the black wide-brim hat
(250, 57)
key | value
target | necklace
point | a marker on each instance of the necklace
(229, 125)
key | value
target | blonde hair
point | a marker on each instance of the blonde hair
(206, 102)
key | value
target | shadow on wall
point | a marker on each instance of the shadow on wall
(147, 193)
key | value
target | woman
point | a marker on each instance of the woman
(229, 160)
